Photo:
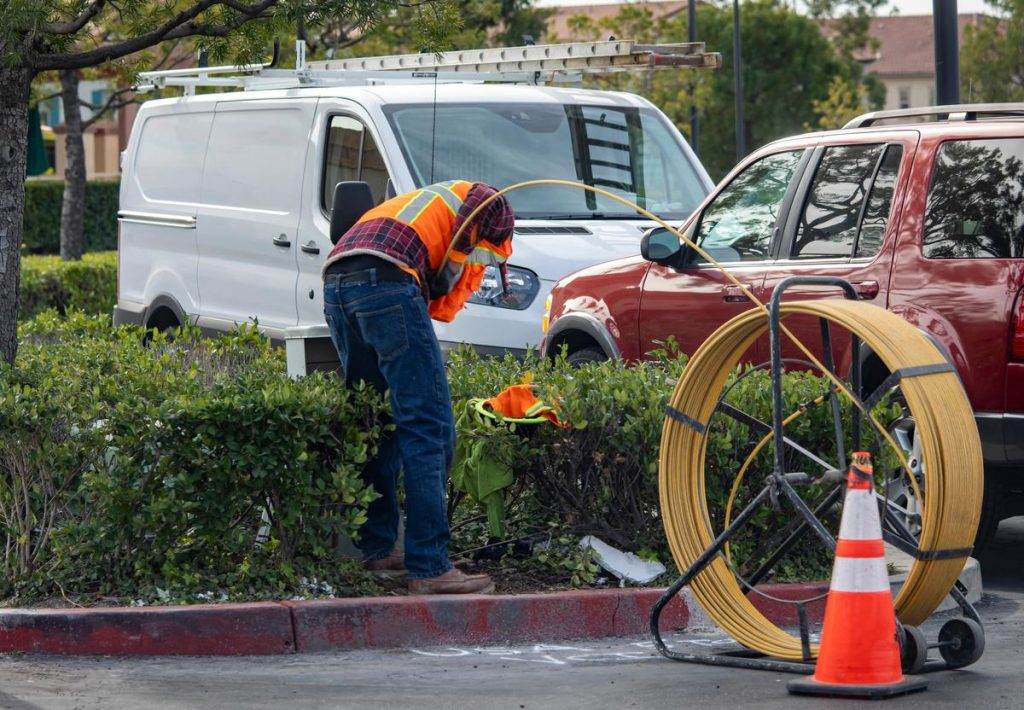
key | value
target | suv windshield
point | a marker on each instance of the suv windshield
(629, 151)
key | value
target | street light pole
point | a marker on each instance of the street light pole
(691, 25)
(947, 52)
(737, 68)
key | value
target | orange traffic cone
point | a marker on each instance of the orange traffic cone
(859, 654)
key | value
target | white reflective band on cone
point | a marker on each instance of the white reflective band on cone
(860, 516)
(860, 574)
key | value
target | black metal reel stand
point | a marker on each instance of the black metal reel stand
(960, 641)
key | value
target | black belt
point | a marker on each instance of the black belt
(355, 268)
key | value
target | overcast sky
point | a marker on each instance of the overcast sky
(905, 7)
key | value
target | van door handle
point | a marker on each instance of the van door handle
(282, 240)
(866, 289)
(733, 294)
(310, 247)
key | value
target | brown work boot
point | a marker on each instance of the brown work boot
(454, 581)
(391, 566)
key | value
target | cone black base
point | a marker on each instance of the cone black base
(809, 686)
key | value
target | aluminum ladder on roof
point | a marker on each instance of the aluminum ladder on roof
(527, 64)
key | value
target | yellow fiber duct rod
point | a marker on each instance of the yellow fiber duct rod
(950, 447)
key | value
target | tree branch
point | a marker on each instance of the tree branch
(69, 28)
(180, 26)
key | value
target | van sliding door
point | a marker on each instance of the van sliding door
(249, 216)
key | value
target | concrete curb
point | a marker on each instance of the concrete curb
(261, 628)
(265, 628)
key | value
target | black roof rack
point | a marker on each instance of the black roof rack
(951, 112)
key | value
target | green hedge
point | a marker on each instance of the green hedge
(175, 469)
(190, 467)
(89, 285)
(41, 223)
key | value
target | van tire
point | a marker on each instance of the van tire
(162, 320)
(585, 356)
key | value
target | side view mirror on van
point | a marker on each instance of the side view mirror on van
(352, 199)
(663, 247)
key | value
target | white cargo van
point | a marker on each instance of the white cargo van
(225, 197)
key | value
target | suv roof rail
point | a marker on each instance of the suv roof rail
(527, 64)
(950, 112)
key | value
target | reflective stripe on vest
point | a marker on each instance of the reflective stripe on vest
(481, 254)
(422, 199)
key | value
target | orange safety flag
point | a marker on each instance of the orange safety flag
(519, 402)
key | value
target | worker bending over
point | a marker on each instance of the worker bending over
(383, 282)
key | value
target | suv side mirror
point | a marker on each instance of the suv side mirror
(663, 247)
(352, 199)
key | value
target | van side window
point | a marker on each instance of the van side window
(352, 154)
(976, 201)
(739, 223)
(836, 223)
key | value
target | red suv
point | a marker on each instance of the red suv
(925, 219)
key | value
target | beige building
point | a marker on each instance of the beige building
(905, 58)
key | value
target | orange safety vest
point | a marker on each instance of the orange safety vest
(431, 212)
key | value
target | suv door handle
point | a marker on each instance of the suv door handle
(866, 289)
(310, 247)
(733, 294)
(282, 240)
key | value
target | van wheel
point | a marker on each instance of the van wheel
(162, 321)
(586, 355)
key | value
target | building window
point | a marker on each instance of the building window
(49, 112)
(98, 97)
(904, 93)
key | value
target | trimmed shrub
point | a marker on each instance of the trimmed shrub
(600, 475)
(175, 468)
(89, 285)
(41, 223)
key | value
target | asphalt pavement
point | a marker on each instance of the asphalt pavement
(618, 673)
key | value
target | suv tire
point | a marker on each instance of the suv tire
(586, 355)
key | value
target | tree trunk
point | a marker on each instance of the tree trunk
(72, 211)
(14, 95)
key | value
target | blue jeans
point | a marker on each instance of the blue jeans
(384, 337)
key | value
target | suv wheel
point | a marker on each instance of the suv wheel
(586, 355)
(904, 503)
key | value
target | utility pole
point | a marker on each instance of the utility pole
(947, 52)
(737, 68)
(691, 26)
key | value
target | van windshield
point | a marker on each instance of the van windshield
(629, 151)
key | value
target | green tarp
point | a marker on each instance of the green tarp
(37, 162)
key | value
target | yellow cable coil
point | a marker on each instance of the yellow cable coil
(950, 447)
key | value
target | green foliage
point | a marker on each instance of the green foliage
(468, 23)
(153, 469)
(53, 34)
(89, 285)
(41, 221)
(600, 476)
(991, 61)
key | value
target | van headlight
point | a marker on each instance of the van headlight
(523, 286)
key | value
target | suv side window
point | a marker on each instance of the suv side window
(848, 203)
(976, 201)
(352, 154)
(739, 223)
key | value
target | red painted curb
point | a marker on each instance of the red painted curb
(202, 630)
(782, 614)
(373, 622)
(394, 622)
